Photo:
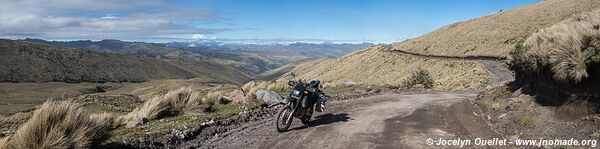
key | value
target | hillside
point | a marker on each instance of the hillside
(288, 69)
(375, 65)
(31, 62)
(495, 34)
(126, 48)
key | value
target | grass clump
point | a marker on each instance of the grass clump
(569, 48)
(418, 77)
(175, 102)
(527, 120)
(60, 125)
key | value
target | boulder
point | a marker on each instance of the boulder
(136, 122)
(237, 96)
(350, 82)
(270, 98)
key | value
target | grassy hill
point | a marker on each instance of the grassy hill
(493, 35)
(127, 48)
(31, 62)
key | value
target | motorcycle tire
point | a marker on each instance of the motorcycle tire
(282, 122)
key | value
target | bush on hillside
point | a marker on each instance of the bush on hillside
(569, 48)
(175, 102)
(420, 76)
(60, 125)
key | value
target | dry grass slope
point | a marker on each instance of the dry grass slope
(60, 125)
(496, 34)
(375, 65)
(568, 48)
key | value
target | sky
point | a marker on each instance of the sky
(245, 21)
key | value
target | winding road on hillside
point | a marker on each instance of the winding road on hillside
(381, 121)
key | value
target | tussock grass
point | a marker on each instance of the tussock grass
(567, 48)
(175, 102)
(219, 94)
(3, 143)
(60, 125)
(418, 77)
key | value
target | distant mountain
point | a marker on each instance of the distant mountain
(298, 49)
(32, 62)
(250, 58)
(272, 55)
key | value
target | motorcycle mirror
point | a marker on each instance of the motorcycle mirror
(291, 83)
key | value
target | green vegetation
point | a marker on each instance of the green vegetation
(15, 97)
(526, 120)
(18, 96)
(419, 77)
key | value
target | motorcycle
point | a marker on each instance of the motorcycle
(300, 104)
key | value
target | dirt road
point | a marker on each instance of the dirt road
(498, 72)
(382, 121)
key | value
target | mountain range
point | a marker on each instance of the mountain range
(250, 58)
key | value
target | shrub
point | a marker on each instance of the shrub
(175, 102)
(420, 76)
(60, 125)
(567, 48)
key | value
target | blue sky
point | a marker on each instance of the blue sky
(239, 20)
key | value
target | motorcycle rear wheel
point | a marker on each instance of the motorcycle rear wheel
(282, 122)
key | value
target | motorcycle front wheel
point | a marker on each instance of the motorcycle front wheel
(284, 119)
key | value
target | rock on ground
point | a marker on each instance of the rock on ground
(268, 97)
(237, 96)
(136, 122)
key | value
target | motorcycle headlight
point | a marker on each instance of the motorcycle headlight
(296, 93)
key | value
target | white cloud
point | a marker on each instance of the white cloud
(100, 19)
(202, 37)
(108, 17)
(198, 36)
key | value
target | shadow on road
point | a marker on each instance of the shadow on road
(325, 119)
